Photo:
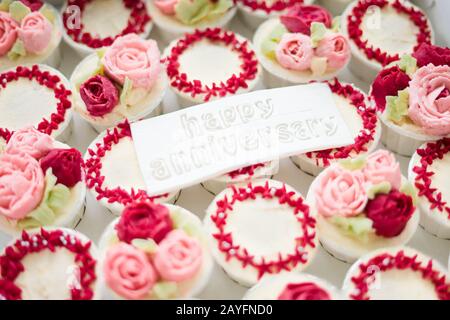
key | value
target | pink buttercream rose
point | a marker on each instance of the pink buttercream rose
(178, 257)
(166, 6)
(382, 166)
(336, 49)
(36, 32)
(8, 32)
(31, 142)
(295, 51)
(21, 185)
(132, 57)
(340, 192)
(429, 99)
(128, 271)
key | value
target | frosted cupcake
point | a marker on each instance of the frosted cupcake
(429, 170)
(336, 7)
(260, 228)
(255, 12)
(123, 81)
(154, 252)
(177, 17)
(51, 98)
(362, 205)
(210, 64)
(113, 175)
(41, 183)
(362, 120)
(292, 286)
(252, 172)
(381, 31)
(301, 46)
(399, 273)
(31, 33)
(49, 264)
(93, 24)
(413, 99)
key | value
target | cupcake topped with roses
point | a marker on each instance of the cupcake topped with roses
(30, 32)
(412, 97)
(123, 81)
(177, 17)
(300, 46)
(153, 252)
(93, 24)
(362, 205)
(41, 183)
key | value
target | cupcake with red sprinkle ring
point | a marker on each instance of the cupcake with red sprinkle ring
(363, 204)
(154, 252)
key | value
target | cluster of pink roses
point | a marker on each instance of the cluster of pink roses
(131, 272)
(303, 291)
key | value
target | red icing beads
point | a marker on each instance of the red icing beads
(269, 6)
(249, 170)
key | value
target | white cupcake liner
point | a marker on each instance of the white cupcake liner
(336, 7)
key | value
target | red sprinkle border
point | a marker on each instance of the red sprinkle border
(278, 5)
(249, 170)
(232, 250)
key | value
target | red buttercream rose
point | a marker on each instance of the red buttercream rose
(144, 220)
(390, 213)
(34, 5)
(303, 291)
(100, 95)
(300, 17)
(65, 164)
(435, 55)
(388, 83)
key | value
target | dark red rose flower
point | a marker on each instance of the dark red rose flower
(66, 165)
(100, 95)
(303, 291)
(435, 55)
(34, 5)
(390, 213)
(144, 220)
(300, 17)
(388, 83)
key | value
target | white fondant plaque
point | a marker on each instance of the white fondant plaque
(185, 147)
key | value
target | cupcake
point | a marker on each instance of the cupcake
(154, 252)
(210, 64)
(93, 24)
(292, 286)
(399, 273)
(361, 119)
(336, 7)
(113, 175)
(429, 170)
(123, 81)
(362, 205)
(413, 99)
(252, 172)
(301, 46)
(30, 33)
(260, 228)
(174, 18)
(381, 31)
(255, 12)
(41, 183)
(49, 264)
(51, 108)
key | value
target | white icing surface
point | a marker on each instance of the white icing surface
(112, 20)
(440, 180)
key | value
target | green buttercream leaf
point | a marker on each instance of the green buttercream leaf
(220, 7)
(85, 75)
(127, 86)
(336, 24)
(353, 164)
(397, 107)
(318, 31)
(146, 245)
(58, 197)
(191, 12)
(18, 10)
(269, 45)
(408, 188)
(408, 64)
(383, 187)
(359, 226)
(181, 222)
(4, 5)
(17, 50)
(165, 290)
(47, 12)
(101, 53)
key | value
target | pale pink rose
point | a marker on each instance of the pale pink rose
(21, 185)
(35, 32)
(128, 271)
(295, 51)
(31, 142)
(429, 99)
(133, 57)
(166, 6)
(178, 257)
(340, 192)
(381, 166)
(336, 49)
(8, 32)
